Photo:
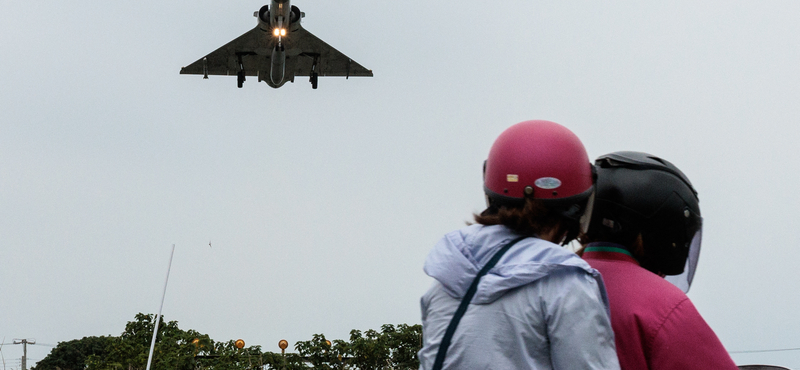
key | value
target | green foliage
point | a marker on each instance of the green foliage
(176, 349)
(392, 348)
(72, 355)
(225, 356)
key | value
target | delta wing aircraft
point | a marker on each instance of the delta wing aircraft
(276, 51)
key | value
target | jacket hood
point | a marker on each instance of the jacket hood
(459, 255)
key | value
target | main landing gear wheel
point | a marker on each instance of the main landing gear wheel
(314, 78)
(240, 78)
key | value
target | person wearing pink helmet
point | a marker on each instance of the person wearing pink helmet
(506, 295)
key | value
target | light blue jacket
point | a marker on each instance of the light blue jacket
(540, 307)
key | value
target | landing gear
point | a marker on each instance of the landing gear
(240, 78)
(313, 79)
(240, 74)
(314, 74)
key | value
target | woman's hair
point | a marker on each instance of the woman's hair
(530, 219)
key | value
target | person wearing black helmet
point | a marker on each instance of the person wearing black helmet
(645, 225)
(506, 295)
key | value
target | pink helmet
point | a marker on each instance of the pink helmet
(539, 159)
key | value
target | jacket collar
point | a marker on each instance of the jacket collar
(608, 251)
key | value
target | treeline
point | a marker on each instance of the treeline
(394, 347)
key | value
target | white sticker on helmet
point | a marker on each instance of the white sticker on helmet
(512, 178)
(547, 182)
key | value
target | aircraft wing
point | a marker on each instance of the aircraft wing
(330, 62)
(254, 49)
(225, 60)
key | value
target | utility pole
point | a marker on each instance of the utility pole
(25, 343)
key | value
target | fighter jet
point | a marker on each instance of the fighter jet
(276, 51)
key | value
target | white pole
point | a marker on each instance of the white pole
(158, 317)
(1, 353)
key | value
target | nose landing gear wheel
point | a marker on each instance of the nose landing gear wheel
(314, 78)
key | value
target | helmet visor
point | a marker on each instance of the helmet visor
(684, 280)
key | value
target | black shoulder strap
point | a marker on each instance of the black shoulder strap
(462, 308)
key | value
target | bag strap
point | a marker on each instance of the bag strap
(462, 308)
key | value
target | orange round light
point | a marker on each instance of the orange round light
(283, 344)
(239, 344)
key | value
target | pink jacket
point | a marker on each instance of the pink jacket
(656, 326)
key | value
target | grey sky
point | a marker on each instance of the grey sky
(321, 205)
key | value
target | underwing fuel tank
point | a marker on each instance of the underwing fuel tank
(278, 68)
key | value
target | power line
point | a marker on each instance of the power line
(766, 350)
(19, 359)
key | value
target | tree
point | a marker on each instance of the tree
(176, 349)
(392, 348)
(72, 355)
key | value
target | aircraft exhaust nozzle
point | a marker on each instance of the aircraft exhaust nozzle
(278, 69)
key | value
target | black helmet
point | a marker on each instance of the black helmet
(638, 193)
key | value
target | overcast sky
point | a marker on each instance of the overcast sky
(321, 205)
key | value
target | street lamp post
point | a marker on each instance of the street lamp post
(283, 344)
